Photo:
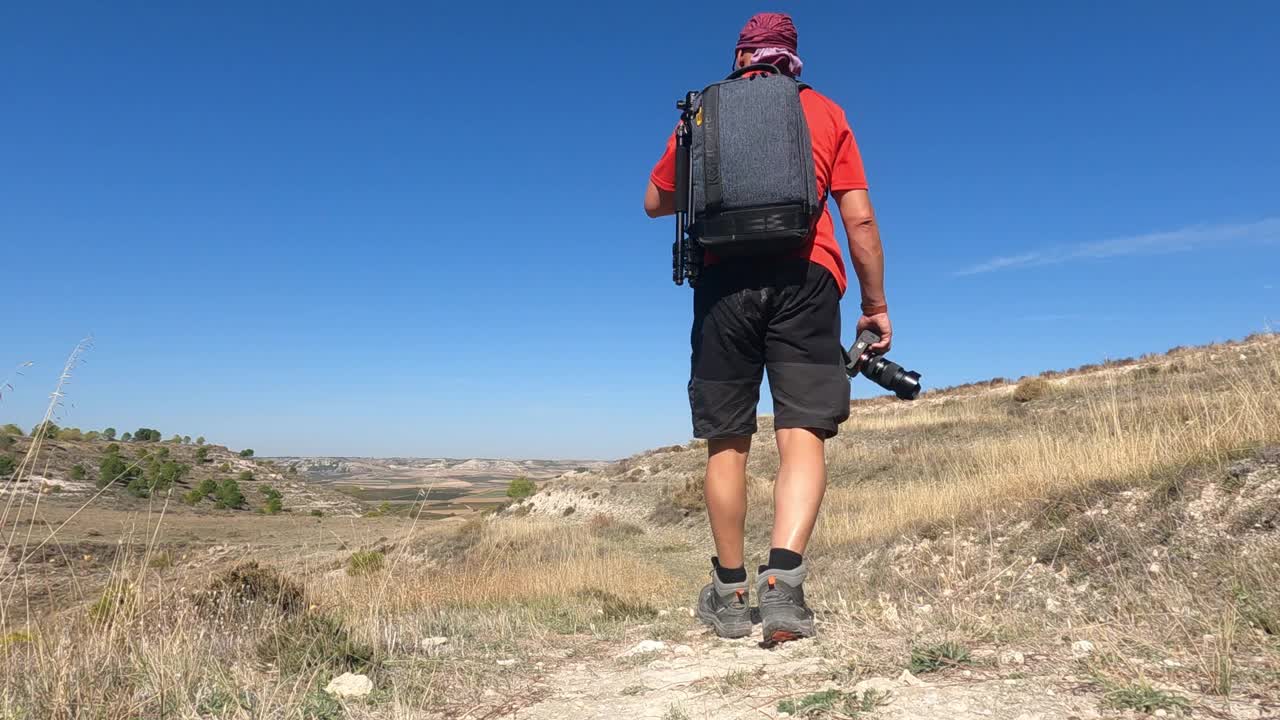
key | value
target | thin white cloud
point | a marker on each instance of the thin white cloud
(1158, 243)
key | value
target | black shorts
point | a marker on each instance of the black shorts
(783, 315)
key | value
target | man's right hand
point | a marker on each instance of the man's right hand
(879, 322)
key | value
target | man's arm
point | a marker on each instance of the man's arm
(867, 255)
(658, 202)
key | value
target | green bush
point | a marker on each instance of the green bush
(7, 441)
(78, 473)
(521, 488)
(246, 453)
(936, 657)
(11, 429)
(46, 430)
(200, 440)
(70, 434)
(364, 562)
(245, 476)
(127, 437)
(317, 512)
(186, 439)
(109, 433)
(7, 465)
(229, 495)
(274, 500)
(202, 455)
(113, 468)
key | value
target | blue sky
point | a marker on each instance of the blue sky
(396, 228)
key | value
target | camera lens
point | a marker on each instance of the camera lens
(891, 376)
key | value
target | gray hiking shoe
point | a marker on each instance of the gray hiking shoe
(782, 610)
(725, 607)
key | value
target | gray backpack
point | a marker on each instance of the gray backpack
(754, 189)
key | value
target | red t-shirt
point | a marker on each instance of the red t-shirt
(836, 162)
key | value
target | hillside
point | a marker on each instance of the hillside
(1097, 543)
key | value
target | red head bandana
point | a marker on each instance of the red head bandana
(768, 30)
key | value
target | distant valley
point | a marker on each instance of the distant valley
(447, 486)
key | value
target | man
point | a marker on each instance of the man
(782, 315)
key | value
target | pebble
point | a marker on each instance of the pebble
(906, 678)
(349, 685)
(1081, 649)
(1011, 657)
(644, 646)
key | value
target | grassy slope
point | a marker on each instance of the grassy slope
(1131, 506)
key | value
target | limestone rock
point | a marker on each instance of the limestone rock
(349, 685)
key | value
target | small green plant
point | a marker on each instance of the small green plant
(1144, 698)
(521, 488)
(146, 435)
(202, 455)
(384, 508)
(11, 429)
(245, 476)
(160, 561)
(365, 562)
(200, 440)
(674, 712)
(936, 657)
(7, 465)
(246, 453)
(109, 433)
(78, 473)
(317, 512)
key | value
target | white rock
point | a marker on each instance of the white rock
(1081, 649)
(906, 678)
(644, 646)
(1011, 657)
(1161, 713)
(1052, 605)
(349, 685)
(507, 662)
(426, 643)
(878, 685)
(682, 650)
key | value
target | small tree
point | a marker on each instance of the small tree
(245, 476)
(46, 430)
(7, 466)
(520, 488)
(202, 455)
(78, 473)
(92, 435)
(113, 468)
(200, 440)
(11, 429)
(144, 434)
(186, 439)
(176, 439)
(127, 437)
(246, 453)
(109, 433)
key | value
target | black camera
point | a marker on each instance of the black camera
(880, 369)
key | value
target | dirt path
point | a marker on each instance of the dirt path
(709, 678)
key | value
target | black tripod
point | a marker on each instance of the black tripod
(686, 253)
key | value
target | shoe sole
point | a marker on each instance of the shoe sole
(729, 632)
(786, 632)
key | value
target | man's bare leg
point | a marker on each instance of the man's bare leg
(798, 491)
(726, 494)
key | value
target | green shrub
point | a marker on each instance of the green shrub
(109, 433)
(7, 441)
(202, 455)
(310, 643)
(229, 495)
(114, 469)
(521, 488)
(78, 473)
(200, 440)
(7, 466)
(364, 562)
(1145, 699)
(127, 437)
(206, 488)
(47, 430)
(11, 429)
(246, 453)
(1034, 388)
(250, 585)
(70, 434)
(274, 500)
(317, 512)
(245, 476)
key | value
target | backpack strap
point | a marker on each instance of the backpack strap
(713, 186)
